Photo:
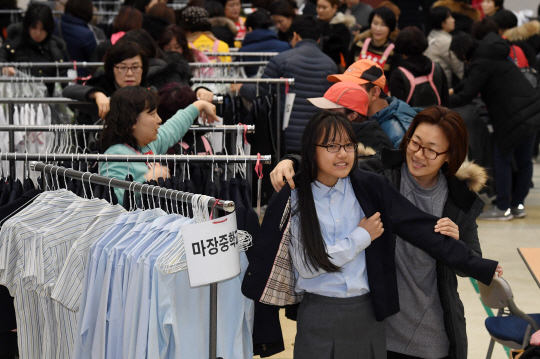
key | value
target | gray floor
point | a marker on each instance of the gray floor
(499, 241)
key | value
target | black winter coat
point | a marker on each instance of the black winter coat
(21, 48)
(512, 103)
(463, 206)
(309, 67)
(336, 38)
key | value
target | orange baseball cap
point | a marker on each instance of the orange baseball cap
(343, 95)
(362, 72)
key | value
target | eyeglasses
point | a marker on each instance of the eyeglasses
(334, 147)
(428, 152)
(123, 69)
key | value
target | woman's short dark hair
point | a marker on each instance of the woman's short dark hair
(162, 11)
(122, 50)
(145, 41)
(386, 15)
(282, 8)
(126, 104)
(128, 18)
(322, 128)
(36, 13)
(173, 97)
(82, 9)
(411, 42)
(499, 4)
(175, 31)
(483, 27)
(215, 9)
(505, 19)
(463, 45)
(453, 127)
(259, 20)
(333, 2)
(438, 15)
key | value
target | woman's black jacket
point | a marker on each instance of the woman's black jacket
(463, 206)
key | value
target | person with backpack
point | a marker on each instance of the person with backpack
(417, 80)
(514, 111)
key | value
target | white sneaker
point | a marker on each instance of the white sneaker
(495, 214)
(519, 211)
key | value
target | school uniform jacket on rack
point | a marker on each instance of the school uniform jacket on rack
(270, 278)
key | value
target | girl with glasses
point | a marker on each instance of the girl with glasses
(427, 169)
(331, 244)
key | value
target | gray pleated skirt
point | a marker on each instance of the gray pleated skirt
(338, 328)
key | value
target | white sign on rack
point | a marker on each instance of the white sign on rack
(211, 250)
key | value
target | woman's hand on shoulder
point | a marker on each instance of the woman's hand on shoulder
(205, 95)
(103, 103)
(373, 225)
(207, 111)
(447, 227)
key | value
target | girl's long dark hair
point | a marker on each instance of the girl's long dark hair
(323, 128)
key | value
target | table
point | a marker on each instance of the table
(531, 257)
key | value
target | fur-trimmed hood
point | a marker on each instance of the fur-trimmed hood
(220, 21)
(475, 175)
(340, 18)
(459, 8)
(365, 151)
(523, 32)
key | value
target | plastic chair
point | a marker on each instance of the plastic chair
(512, 327)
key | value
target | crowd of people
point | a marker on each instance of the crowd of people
(392, 106)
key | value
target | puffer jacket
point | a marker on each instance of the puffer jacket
(80, 39)
(395, 119)
(528, 32)
(462, 206)
(512, 103)
(261, 40)
(439, 51)
(309, 67)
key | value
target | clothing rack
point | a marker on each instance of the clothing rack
(227, 206)
(242, 54)
(277, 82)
(65, 100)
(94, 128)
(98, 64)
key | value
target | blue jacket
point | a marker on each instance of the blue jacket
(395, 119)
(80, 40)
(261, 40)
(309, 67)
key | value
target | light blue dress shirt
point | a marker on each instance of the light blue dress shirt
(339, 213)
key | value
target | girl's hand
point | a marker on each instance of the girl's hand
(206, 110)
(283, 169)
(205, 95)
(372, 225)
(498, 271)
(158, 171)
(103, 103)
(447, 227)
(8, 71)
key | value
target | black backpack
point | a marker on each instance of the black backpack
(423, 90)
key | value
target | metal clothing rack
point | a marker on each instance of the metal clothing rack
(242, 54)
(94, 128)
(227, 206)
(71, 65)
(277, 82)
